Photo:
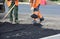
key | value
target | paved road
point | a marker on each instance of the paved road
(25, 30)
(50, 12)
(48, 9)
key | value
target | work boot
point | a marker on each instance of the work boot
(11, 22)
(16, 22)
(34, 22)
(41, 19)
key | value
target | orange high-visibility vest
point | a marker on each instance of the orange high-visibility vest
(35, 3)
(9, 2)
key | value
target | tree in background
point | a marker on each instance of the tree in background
(23, 0)
(54, 0)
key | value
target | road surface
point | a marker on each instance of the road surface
(25, 30)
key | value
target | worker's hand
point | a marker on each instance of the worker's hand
(32, 8)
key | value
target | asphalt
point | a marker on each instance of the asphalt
(26, 30)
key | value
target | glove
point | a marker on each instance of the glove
(32, 8)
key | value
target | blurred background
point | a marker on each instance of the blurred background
(52, 7)
(28, 0)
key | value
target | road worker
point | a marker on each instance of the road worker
(36, 13)
(10, 4)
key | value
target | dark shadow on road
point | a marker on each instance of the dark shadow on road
(24, 31)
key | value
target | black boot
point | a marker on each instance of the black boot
(41, 19)
(16, 22)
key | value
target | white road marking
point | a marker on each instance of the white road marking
(57, 36)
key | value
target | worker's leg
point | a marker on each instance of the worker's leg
(16, 13)
(40, 16)
(35, 16)
(37, 12)
(11, 16)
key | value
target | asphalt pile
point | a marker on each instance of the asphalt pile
(24, 31)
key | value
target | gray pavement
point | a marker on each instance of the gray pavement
(49, 22)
